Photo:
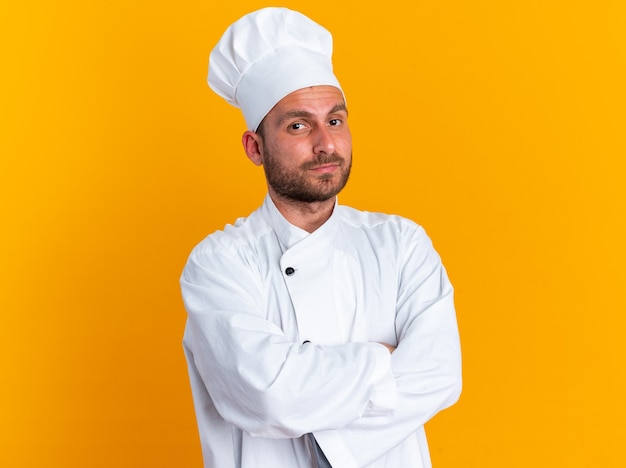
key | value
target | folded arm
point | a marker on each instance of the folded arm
(426, 363)
(263, 382)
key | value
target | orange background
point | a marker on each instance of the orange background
(497, 125)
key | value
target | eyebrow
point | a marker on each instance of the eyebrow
(302, 113)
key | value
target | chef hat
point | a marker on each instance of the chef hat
(266, 55)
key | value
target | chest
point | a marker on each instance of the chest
(332, 295)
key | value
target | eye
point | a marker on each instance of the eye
(296, 126)
(334, 122)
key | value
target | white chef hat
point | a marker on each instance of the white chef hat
(266, 55)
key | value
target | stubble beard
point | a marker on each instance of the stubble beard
(301, 186)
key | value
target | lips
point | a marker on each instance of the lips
(325, 168)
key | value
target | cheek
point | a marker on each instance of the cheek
(295, 154)
(286, 158)
(346, 145)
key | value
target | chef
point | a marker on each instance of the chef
(317, 335)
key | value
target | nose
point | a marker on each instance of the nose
(323, 140)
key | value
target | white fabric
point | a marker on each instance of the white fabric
(360, 279)
(267, 54)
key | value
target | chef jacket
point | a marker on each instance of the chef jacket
(283, 339)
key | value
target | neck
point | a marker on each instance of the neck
(307, 216)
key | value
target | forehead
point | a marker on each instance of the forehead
(315, 100)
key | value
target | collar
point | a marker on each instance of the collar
(289, 235)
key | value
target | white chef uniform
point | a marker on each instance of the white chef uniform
(282, 340)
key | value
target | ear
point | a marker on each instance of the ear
(252, 145)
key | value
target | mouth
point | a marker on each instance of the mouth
(325, 168)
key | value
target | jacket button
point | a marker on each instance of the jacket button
(289, 271)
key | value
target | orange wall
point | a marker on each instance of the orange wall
(498, 125)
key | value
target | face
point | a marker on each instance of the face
(306, 145)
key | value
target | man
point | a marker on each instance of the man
(317, 335)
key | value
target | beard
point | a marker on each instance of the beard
(299, 185)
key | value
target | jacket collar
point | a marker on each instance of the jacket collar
(289, 235)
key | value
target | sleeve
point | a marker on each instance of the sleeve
(426, 363)
(258, 379)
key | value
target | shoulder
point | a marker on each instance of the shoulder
(399, 240)
(235, 239)
(395, 235)
(375, 222)
(224, 267)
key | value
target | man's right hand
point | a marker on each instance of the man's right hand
(390, 348)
